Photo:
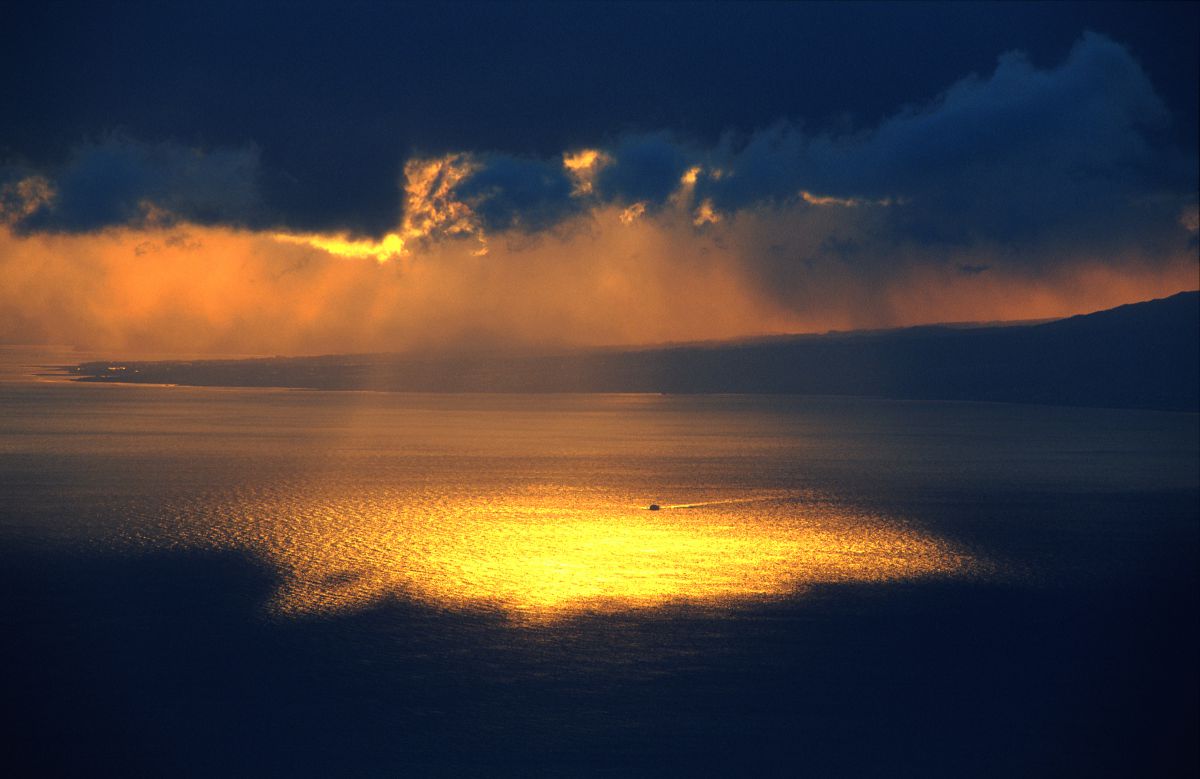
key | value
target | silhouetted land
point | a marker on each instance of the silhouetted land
(1144, 355)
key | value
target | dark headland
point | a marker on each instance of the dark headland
(1142, 355)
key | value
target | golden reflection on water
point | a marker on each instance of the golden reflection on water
(544, 556)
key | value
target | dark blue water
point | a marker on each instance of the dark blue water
(258, 582)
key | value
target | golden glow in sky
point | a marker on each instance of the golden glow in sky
(614, 276)
(391, 247)
(616, 273)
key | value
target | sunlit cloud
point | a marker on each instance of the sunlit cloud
(583, 166)
(431, 210)
(390, 247)
(842, 202)
(19, 199)
(430, 204)
(705, 215)
(1190, 218)
(632, 213)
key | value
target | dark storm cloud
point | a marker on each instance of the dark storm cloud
(644, 168)
(336, 96)
(121, 182)
(1037, 159)
(1041, 161)
(1075, 152)
(531, 194)
(512, 192)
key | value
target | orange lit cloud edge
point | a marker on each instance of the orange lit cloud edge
(613, 274)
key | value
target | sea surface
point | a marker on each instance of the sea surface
(272, 582)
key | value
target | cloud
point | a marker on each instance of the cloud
(1028, 164)
(1028, 192)
(646, 169)
(527, 194)
(380, 83)
(120, 182)
(1025, 158)
(519, 193)
(1027, 167)
(1028, 159)
(22, 195)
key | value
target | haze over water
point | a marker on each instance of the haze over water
(475, 580)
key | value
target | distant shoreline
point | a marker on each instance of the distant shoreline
(1143, 355)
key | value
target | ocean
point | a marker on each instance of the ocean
(246, 582)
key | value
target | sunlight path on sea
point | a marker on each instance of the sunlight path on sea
(542, 554)
(535, 508)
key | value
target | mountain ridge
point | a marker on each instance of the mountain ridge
(1139, 355)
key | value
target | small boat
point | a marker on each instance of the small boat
(655, 507)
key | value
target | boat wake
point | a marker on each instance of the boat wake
(663, 507)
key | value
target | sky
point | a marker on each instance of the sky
(298, 178)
